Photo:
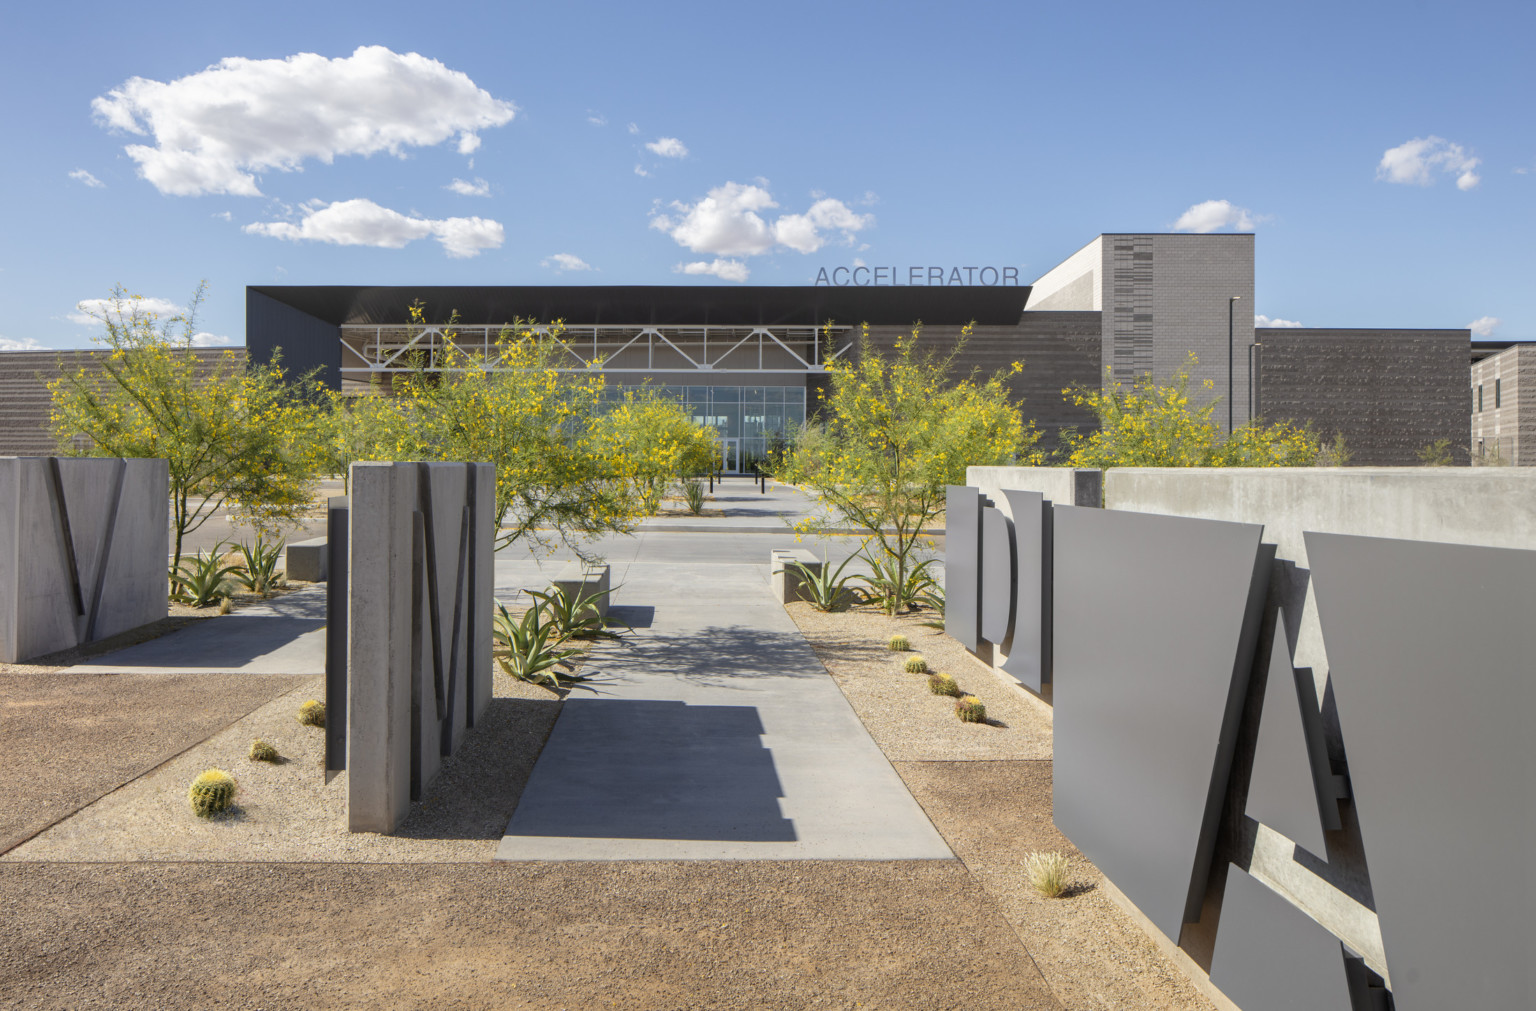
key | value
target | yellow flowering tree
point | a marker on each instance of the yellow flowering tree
(235, 435)
(1153, 425)
(513, 407)
(894, 430)
(654, 441)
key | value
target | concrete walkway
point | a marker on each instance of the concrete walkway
(716, 734)
(285, 635)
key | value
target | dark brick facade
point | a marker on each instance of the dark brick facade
(1058, 349)
(1390, 393)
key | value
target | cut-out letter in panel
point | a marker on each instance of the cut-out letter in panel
(1270, 956)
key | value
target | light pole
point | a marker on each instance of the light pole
(1253, 393)
(1231, 302)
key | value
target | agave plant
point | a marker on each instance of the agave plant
(933, 599)
(203, 578)
(531, 650)
(574, 616)
(892, 592)
(826, 588)
(259, 574)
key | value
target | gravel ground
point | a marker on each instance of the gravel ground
(988, 791)
(906, 721)
(68, 739)
(286, 811)
(741, 935)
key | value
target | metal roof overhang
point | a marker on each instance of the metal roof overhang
(660, 305)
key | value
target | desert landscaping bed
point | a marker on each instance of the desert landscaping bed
(987, 788)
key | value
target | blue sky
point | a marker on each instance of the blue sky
(1385, 154)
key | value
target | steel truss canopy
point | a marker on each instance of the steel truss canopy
(356, 331)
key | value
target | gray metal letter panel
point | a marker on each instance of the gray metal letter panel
(1028, 660)
(1155, 623)
(997, 577)
(962, 565)
(1270, 956)
(1431, 649)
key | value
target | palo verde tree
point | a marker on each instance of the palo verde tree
(513, 405)
(234, 434)
(896, 428)
(653, 441)
(1148, 424)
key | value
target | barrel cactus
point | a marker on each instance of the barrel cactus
(915, 665)
(263, 751)
(312, 714)
(970, 709)
(211, 792)
(898, 643)
(940, 683)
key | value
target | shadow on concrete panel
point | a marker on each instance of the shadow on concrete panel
(656, 770)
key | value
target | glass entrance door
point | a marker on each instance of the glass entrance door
(730, 456)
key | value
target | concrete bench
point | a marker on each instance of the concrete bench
(308, 561)
(577, 578)
(788, 584)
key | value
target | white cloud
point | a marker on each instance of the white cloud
(81, 175)
(596, 119)
(633, 128)
(727, 223)
(1417, 162)
(25, 344)
(802, 232)
(1259, 319)
(725, 270)
(89, 312)
(210, 340)
(566, 261)
(478, 188)
(667, 147)
(858, 261)
(213, 130)
(362, 222)
(640, 171)
(224, 216)
(1210, 215)
(1484, 326)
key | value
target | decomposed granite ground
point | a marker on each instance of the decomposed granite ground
(988, 790)
(760, 935)
(131, 902)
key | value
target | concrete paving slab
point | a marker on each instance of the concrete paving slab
(715, 735)
(285, 635)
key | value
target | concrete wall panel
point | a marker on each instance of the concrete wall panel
(962, 565)
(420, 557)
(83, 548)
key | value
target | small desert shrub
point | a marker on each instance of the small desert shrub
(211, 792)
(312, 714)
(262, 751)
(970, 709)
(693, 494)
(940, 683)
(226, 605)
(1047, 873)
(898, 643)
(915, 665)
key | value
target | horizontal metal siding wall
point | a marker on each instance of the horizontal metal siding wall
(305, 342)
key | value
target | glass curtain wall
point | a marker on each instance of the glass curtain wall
(750, 414)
